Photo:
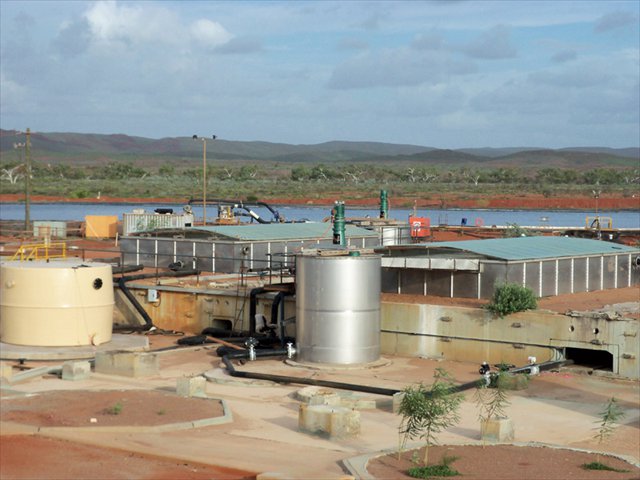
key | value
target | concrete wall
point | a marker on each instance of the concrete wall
(192, 310)
(475, 335)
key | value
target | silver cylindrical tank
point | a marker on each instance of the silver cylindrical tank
(55, 304)
(338, 309)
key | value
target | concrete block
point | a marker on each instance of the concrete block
(127, 364)
(6, 371)
(336, 422)
(397, 400)
(192, 386)
(73, 370)
(497, 430)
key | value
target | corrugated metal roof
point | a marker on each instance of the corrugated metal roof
(527, 248)
(283, 231)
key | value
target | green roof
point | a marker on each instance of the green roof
(527, 248)
(283, 231)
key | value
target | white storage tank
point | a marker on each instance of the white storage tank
(57, 303)
(338, 309)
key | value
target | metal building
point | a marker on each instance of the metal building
(236, 248)
(471, 269)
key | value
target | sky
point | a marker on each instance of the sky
(444, 74)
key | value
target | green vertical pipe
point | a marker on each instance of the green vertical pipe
(384, 204)
(339, 237)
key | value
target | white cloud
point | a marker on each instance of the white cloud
(208, 33)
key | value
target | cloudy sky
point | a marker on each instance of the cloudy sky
(447, 74)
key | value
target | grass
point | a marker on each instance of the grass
(442, 469)
(601, 466)
(114, 409)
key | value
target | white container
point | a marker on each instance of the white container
(57, 303)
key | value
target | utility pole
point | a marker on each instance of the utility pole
(27, 183)
(204, 176)
(204, 181)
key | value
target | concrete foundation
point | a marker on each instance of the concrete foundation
(127, 364)
(497, 430)
(335, 422)
(76, 370)
(191, 386)
(6, 370)
(397, 400)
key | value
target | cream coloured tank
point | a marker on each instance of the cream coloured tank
(56, 303)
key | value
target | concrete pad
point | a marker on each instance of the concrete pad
(220, 375)
(76, 370)
(127, 364)
(118, 342)
(6, 370)
(381, 362)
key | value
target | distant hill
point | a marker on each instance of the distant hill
(96, 148)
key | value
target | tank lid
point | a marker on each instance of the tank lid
(66, 264)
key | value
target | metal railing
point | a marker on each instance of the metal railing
(40, 251)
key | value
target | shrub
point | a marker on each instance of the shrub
(114, 410)
(426, 412)
(511, 298)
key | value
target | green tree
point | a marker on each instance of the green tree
(492, 399)
(167, 170)
(511, 298)
(610, 416)
(427, 412)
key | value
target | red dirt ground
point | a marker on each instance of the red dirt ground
(451, 200)
(61, 459)
(76, 409)
(507, 462)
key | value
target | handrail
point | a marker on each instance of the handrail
(40, 251)
(599, 222)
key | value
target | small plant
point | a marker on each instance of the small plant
(442, 469)
(609, 418)
(161, 412)
(426, 412)
(114, 409)
(601, 466)
(511, 298)
(492, 399)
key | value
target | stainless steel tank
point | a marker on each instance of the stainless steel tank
(57, 303)
(338, 309)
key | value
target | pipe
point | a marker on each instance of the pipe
(126, 269)
(384, 204)
(339, 224)
(122, 284)
(254, 215)
(226, 359)
(274, 212)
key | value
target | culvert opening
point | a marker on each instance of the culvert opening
(595, 359)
